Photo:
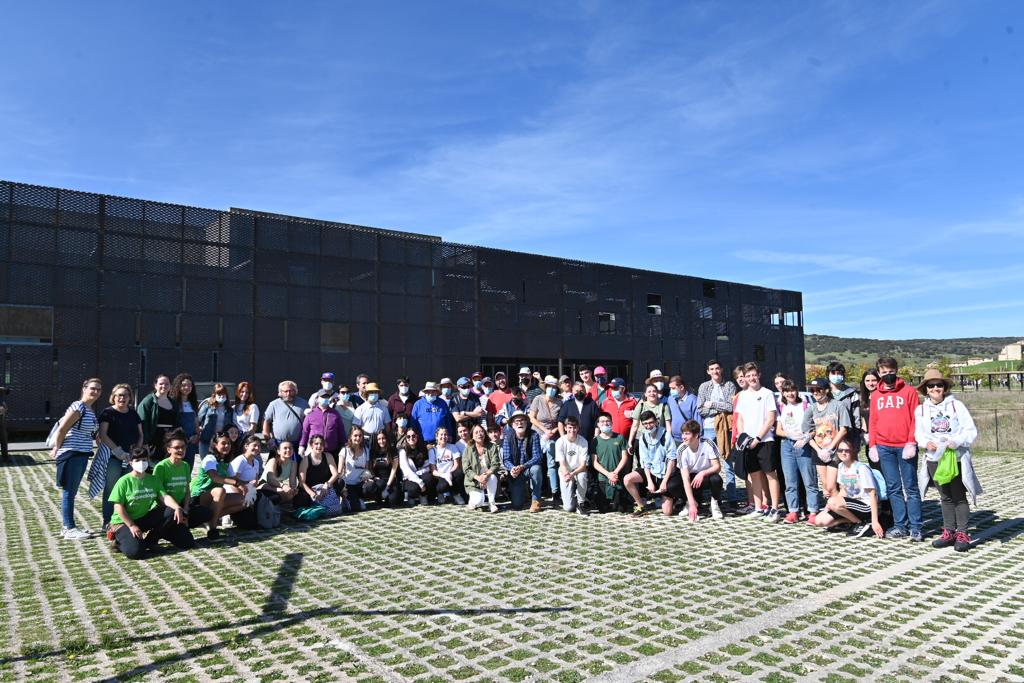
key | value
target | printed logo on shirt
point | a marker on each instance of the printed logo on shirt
(889, 401)
(825, 429)
(941, 424)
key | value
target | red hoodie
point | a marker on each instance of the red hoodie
(892, 415)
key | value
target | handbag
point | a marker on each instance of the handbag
(948, 468)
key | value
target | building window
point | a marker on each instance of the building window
(334, 337)
(709, 289)
(26, 324)
(776, 318)
(606, 323)
(759, 352)
(793, 318)
(654, 304)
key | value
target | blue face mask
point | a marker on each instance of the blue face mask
(477, 384)
(344, 397)
(446, 391)
(430, 398)
(674, 393)
(402, 422)
(372, 398)
(606, 429)
(551, 391)
(617, 393)
(836, 379)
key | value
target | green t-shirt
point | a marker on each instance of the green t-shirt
(201, 483)
(138, 495)
(173, 478)
(609, 454)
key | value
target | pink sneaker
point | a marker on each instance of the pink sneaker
(812, 518)
(790, 518)
(945, 540)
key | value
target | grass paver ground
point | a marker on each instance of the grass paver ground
(443, 594)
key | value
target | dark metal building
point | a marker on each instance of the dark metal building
(127, 288)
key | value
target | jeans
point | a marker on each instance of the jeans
(901, 480)
(579, 483)
(115, 470)
(549, 453)
(728, 475)
(159, 522)
(74, 470)
(517, 486)
(799, 463)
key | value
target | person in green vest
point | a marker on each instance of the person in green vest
(173, 473)
(144, 512)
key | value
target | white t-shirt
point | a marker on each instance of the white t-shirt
(858, 480)
(754, 407)
(716, 395)
(355, 465)
(699, 460)
(241, 468)
(247, 421)
(444, 458)
(209, 463)
(571, 454)
(792, 417)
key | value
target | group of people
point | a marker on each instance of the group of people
(586, 444)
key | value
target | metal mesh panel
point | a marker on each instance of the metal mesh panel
(79, 209)
(162, 220)
(335, 241)
(161, 256)
(303, 302)
(117, 328)
(31, 389)
(199, 364)
(239, 263)
(303, 238)
(30, 284)
(364, 307)
(334, 305)
(236, 367)
(74, 366)
(271, 266)
(74, 326)
(272, 300)
(271, 234)
(32, 244)
(455, 312)
(237, 332)
(157, 329)
(76, 248)
(269, 335)
(235, 298)
(201, 296)
(122, 252)
(458, 285)
(34, 204)
(203, 225)
(119, 364)
(364, 245)
(241, 229)
(124, 215)
(202, 331)
(303, 271)
(392, 279)
(303, 335)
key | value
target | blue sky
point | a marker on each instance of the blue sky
(868, 154)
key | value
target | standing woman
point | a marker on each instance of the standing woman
(344, 407)
(868, 383)
(384, 480)
(481, 462)
(72, 448)
(353, 460)
(183, 396)
(943, 423)
(246, 414)
(121, 431)
(158, 416)
(214, 417)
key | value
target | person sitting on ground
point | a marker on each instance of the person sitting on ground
(943, 423)
(521, 457)
(208, 486)
(658, 475)
(417, 479)
(246, 469)
(144, 512)
(353, 461)
(173, 474)
(318, 473)
(384, 483)
(571, 453)
(446, 466)
(280, 478)
(611, 462)
(699, 464)
(856, 501)
(481, 462)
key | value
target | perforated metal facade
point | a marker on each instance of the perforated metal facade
(139, 287)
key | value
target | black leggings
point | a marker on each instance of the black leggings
(159, 522)
(413, 489)
(374, 490)
(458, 485)
(956, 512)
(712, 483)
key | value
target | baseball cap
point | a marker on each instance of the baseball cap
(819, 383)
(551, 381)
(463, 381)
(618, 382)
(599, 370)
(499, 373)
(327, 375)
(524, 370)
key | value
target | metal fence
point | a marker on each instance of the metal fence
(136, 287)
(999, 429)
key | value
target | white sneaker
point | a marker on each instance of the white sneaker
(76, 534)
(716, 510)
(686, 511)
(459, 500)
(226, 522)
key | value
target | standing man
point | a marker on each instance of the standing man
(714, 402)
(544, 411)
(620, 406)
(361, 381)
(583, 408)
(430, 412)
(400, 402)
(849, 397)
(598, 390)
(447, 391)
(892, 444)
(282, 420)
(373, 415)
(501, 394)
(531, 389)
(467, 406)
(326, 384)
(755, 418)
(682, 404)
(587, 377)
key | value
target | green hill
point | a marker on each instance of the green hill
(820, 349)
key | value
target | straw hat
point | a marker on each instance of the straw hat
(931, 375)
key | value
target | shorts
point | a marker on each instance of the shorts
(760, 459)
(644, 491)
(859, 508)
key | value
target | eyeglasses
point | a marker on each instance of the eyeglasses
(934, 385)
(95, 388)
(844, 450)
(120, 395)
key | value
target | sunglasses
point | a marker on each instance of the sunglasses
(935, 386)
(844, 450)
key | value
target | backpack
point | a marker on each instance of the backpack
(268, 515)
(311, 513)
(880, 488)
(51, 438)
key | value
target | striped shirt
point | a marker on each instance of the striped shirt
(80, 437)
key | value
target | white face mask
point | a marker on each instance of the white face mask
(140, 466)
(222, 399)
(327, 385)
(660, 385)
(403, 390)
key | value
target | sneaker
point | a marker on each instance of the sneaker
(459, 500)
(859, 530)
(915, 535)
(213, 534)
(791, 518)
(638, 511)
(75, 534)
(839, 528)
(494, 508)
(963, 542)
(535, 506)
(812, 518)
(751, 511)
(580, 511)
(716, 510)
(772, 516)
(896, 532)
(947, 539)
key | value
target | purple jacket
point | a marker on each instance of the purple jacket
(325, 423)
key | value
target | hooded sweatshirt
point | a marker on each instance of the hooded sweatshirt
(892, 415)
(947, 425)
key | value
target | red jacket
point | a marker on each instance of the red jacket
(892, 415)
(622, 414)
